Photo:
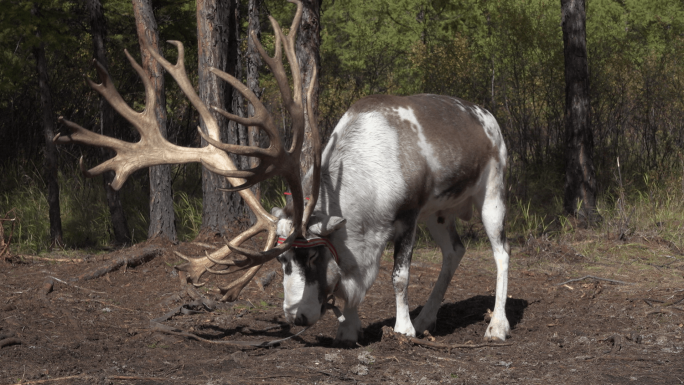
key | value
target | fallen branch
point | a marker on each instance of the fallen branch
(156, 326)
(130, 257)
(596, 278)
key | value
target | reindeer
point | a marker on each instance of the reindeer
(390, 163)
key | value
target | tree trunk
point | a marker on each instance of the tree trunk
(107, 122)
(308, 49)
(237, 133)
(253, 64)
(50, 155)
(580, 180)
(220, 209)
(161, 195)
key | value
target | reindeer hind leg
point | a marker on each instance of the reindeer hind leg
(493, 208)
(443, 230)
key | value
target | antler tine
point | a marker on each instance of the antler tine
(180, 75)
(107, 89)
(316, 141)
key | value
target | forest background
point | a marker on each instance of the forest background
(504, 55)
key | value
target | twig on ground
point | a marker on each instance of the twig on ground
(48, 259)
(132, 378)
(673, 302)
(76, 286)
(626, 358)
(108, 304)
(53, 379)
(660, 311)
(597, 278)
(438, 345)
(9, 342)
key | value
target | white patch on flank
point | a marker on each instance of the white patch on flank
(493, 132)
(425, 148)
(459, 104)
(489, 124)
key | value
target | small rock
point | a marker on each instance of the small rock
(661, 340)
(504, 363)
(583, 340)
(360, 370)
(332, 357)
(239, 357)
(366, 358)
(387, 333)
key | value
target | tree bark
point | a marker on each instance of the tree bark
(50, 156)
(161, 194)
(580, 180)
(253, 64)
(220, 209)
(237, 133)
(107, 123)
(308, 45)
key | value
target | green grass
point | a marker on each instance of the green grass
(647, 210)
(85, 215)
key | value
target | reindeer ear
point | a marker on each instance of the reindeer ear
(278, 212)
(322, 226)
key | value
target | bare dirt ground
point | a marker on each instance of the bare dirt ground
(588, 331)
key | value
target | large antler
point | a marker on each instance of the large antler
(154, 149)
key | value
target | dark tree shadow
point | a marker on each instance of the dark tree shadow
(455, 315)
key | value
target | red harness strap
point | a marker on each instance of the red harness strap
(314, 242)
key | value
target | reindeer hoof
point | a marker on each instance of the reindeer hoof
(497, 330)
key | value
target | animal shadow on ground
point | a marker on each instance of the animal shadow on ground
(455, 315)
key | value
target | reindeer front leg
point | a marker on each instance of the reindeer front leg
(405, 232)
(350, 329)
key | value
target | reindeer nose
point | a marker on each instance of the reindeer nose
(301, 320)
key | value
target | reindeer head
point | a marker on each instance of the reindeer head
(311, 269)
